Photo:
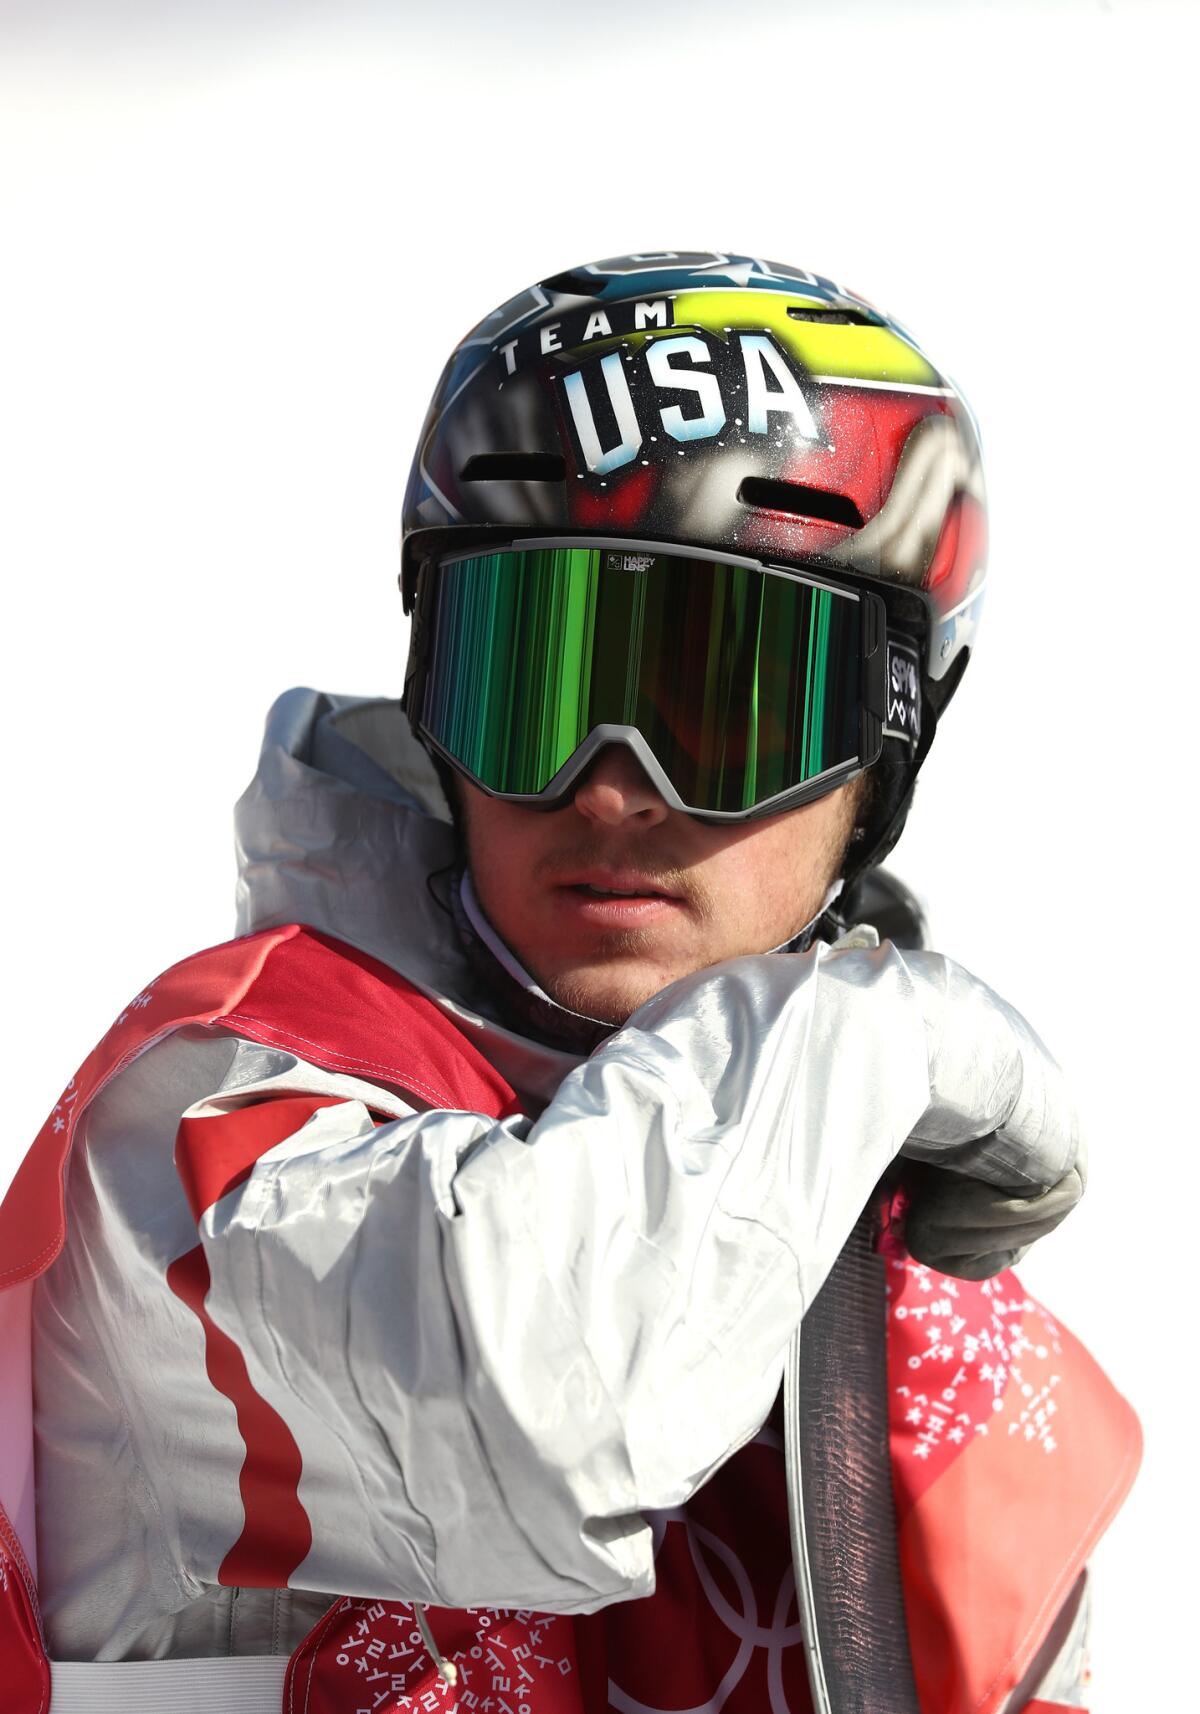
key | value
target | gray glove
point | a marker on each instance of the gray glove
(963, 1225)
(970, 1229)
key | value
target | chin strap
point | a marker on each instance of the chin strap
(812, 929)
(518, 997)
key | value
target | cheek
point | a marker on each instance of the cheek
(755, 883)
(767, 886)
(490, 861)
(503, 844)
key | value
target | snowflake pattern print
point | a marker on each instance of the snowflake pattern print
(966, 1358)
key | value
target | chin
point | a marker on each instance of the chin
(609, 996)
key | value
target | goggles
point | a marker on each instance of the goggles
(742, 688)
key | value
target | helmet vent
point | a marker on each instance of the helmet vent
(514, 467)
(770, 496)
(575, 283)
(830, 317)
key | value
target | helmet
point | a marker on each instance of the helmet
(728, 404)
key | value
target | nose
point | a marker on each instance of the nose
(617, 792)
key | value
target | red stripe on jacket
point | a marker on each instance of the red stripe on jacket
(213, 1155)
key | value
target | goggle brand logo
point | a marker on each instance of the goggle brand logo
(743, 388)
(903, 692)
(904, 677)
(628, 561)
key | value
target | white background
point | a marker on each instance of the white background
(236, 243)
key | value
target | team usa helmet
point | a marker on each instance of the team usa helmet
(739, 412)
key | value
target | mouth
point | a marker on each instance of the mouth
(607, 896)
(619, 884)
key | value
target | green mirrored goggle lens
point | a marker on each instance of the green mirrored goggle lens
(744, 683)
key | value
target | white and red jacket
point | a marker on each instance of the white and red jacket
(366, 1300)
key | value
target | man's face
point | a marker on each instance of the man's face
(610, 898)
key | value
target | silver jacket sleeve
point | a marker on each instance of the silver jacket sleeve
(499, 1344)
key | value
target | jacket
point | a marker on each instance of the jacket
(437, 1442)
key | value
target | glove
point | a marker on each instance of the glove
(969, 1226)
(970, 1229)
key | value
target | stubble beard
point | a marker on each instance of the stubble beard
(624, 972)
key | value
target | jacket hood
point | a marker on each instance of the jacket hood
(342, 828)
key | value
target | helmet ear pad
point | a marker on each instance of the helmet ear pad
(893, 780)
